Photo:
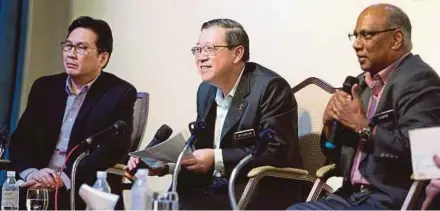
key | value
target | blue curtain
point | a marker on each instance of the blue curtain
(13, 24)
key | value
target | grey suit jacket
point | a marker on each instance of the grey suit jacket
(413, 92)
(263, 100)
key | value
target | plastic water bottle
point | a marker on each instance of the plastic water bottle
(10, 192)
(101, 184)
(141, 196)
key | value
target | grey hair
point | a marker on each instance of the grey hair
(235, 34)
(399, 20)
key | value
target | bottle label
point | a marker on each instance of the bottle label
(9, 198)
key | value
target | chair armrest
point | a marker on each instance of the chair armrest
(258, 170)
(286, 173)
(326, 172)
(117, 169)
(256, 174)
(414, 179)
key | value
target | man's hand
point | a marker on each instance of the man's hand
(433, 189)
(202, 161)
(347, 110)
(45, 178)
(131, 164)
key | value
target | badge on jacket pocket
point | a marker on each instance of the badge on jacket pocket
(244, 134)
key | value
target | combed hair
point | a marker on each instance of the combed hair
(104, 37)
(235, 34)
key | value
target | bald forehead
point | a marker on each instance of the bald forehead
(375, 16)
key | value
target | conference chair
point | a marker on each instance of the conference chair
(312, 96)
(140, 116)
(330, 170)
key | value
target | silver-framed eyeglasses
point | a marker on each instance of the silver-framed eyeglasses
(366, 34)
(210, 50)
(80, 48)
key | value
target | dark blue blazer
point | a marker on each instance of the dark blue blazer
(108, 100)
(263, 100)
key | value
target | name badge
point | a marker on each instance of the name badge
(244, 134)
(382, 117)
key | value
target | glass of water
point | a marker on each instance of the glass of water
(37, 199)
(166, 201)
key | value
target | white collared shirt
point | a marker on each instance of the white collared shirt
(223, 104)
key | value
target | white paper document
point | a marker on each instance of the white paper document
(165, 152)
(425, 143)
(98, 200)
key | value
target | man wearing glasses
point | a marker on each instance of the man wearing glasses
(64, 109)
(374, 156)
(236, 95)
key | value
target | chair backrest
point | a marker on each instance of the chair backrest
(312, 96)
(140, 116)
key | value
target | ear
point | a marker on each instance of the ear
(398, 39)
(238, 54)
(103, 59)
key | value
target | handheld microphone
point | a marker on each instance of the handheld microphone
(195, 128)
(119, 127)
(162, 134)
(346, 87)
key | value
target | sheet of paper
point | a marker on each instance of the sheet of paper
(98, 200)
(167, 151)
(425, 143)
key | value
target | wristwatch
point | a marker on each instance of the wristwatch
(366, 132)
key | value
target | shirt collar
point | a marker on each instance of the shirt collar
(82, 89)
(383, 74)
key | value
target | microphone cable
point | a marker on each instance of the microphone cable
(59, 175)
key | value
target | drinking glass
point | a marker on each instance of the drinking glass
(166, 201)
(37, 199)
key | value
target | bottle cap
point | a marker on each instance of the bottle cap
(142, 172)
(101, 174)
(10, 174)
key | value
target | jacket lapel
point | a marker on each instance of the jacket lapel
(365, 93)
(92, 98)
(210, 102)
(238, 104)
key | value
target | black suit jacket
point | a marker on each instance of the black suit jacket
(413, 92)
(263, 100)
(108, 100)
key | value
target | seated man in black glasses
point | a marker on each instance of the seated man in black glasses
(374, 159)
(66, 108)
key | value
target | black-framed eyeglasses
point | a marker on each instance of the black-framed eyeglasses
(79, 48)
(211, 50)
(365, 34)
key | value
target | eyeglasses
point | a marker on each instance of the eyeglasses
(211, 50)
(80, 48)
(365, 34)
